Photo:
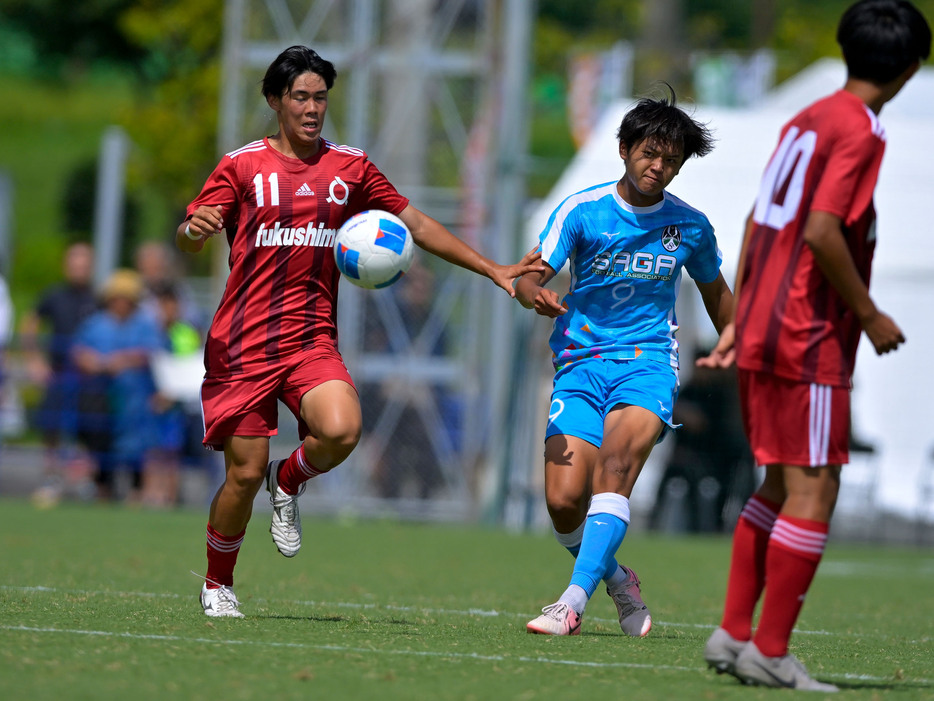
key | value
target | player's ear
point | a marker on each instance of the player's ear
(623, 151)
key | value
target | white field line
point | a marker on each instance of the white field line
(394, 608)
(424, 610)
(447, 656)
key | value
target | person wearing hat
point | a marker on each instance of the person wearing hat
(112, 350)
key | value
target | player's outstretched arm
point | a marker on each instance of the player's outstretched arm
(823, 234)
(430, 235)
(192, 233)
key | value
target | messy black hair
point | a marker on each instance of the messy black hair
(662, 120)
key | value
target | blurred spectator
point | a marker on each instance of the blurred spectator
(178, 421)
(158, 265)
(112, 348)
(710, 464)
(46, 336)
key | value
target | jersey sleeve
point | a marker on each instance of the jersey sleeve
(704, 265)
(376, 192)
(560, 234)
(849, 177)
(220, 189)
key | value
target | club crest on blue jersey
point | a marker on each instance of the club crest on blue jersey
(671, 238)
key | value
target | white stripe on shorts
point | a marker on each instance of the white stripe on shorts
(819, 424)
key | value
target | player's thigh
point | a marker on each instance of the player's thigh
(569, 462)
(321, 395)
(630, 432)
(332, 410)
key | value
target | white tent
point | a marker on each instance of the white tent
(892, 405)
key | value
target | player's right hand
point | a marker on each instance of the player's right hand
(207, 221)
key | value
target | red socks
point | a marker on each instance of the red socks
(747, 565)
(295, 471)
(222, 557)
(795, 550)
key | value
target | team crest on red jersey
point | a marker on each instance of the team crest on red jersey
(671, 238)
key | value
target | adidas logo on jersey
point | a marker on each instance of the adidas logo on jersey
(304, 191)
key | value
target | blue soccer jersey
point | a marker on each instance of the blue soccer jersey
(625, 264)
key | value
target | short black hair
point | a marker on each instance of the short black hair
(882, 38)
(662, 120)
(290, 64)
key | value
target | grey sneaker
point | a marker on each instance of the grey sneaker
(220, 602)
(721, 651)
(634, 616)
(286, 525)
(786, 671)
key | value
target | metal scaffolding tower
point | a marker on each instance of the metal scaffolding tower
(435, 92)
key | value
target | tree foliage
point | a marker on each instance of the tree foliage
(174, 123)
(65, 34)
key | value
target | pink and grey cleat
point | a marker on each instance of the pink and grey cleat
(556, 619)
(634, 616)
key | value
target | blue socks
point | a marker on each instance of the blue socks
(604, 530)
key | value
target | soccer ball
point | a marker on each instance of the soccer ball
(373, 249)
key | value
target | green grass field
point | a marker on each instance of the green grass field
(99, 603)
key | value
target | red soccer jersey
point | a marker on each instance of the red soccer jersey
(281, 216)
(790, 321)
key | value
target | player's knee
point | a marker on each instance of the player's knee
(246, 478)
(338, 441)
(565, 510)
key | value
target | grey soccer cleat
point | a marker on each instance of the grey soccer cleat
(721, 651)
(752, 667)
(286, 525)
(634, 616)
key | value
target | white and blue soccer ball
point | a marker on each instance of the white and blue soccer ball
(373, 249)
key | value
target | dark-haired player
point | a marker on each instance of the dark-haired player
(802, 303)
(281, 199)
(615, 353)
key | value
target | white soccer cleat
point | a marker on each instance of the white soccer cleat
(721, 651)
(556, 619)
(752, 667)
(220, 602)
(286, 525)
(634, 616)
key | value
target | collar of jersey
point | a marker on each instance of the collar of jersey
(639, 210)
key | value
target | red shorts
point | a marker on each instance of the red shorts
(246, 404)
(794, 423)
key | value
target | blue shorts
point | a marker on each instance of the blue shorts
(586, 391)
